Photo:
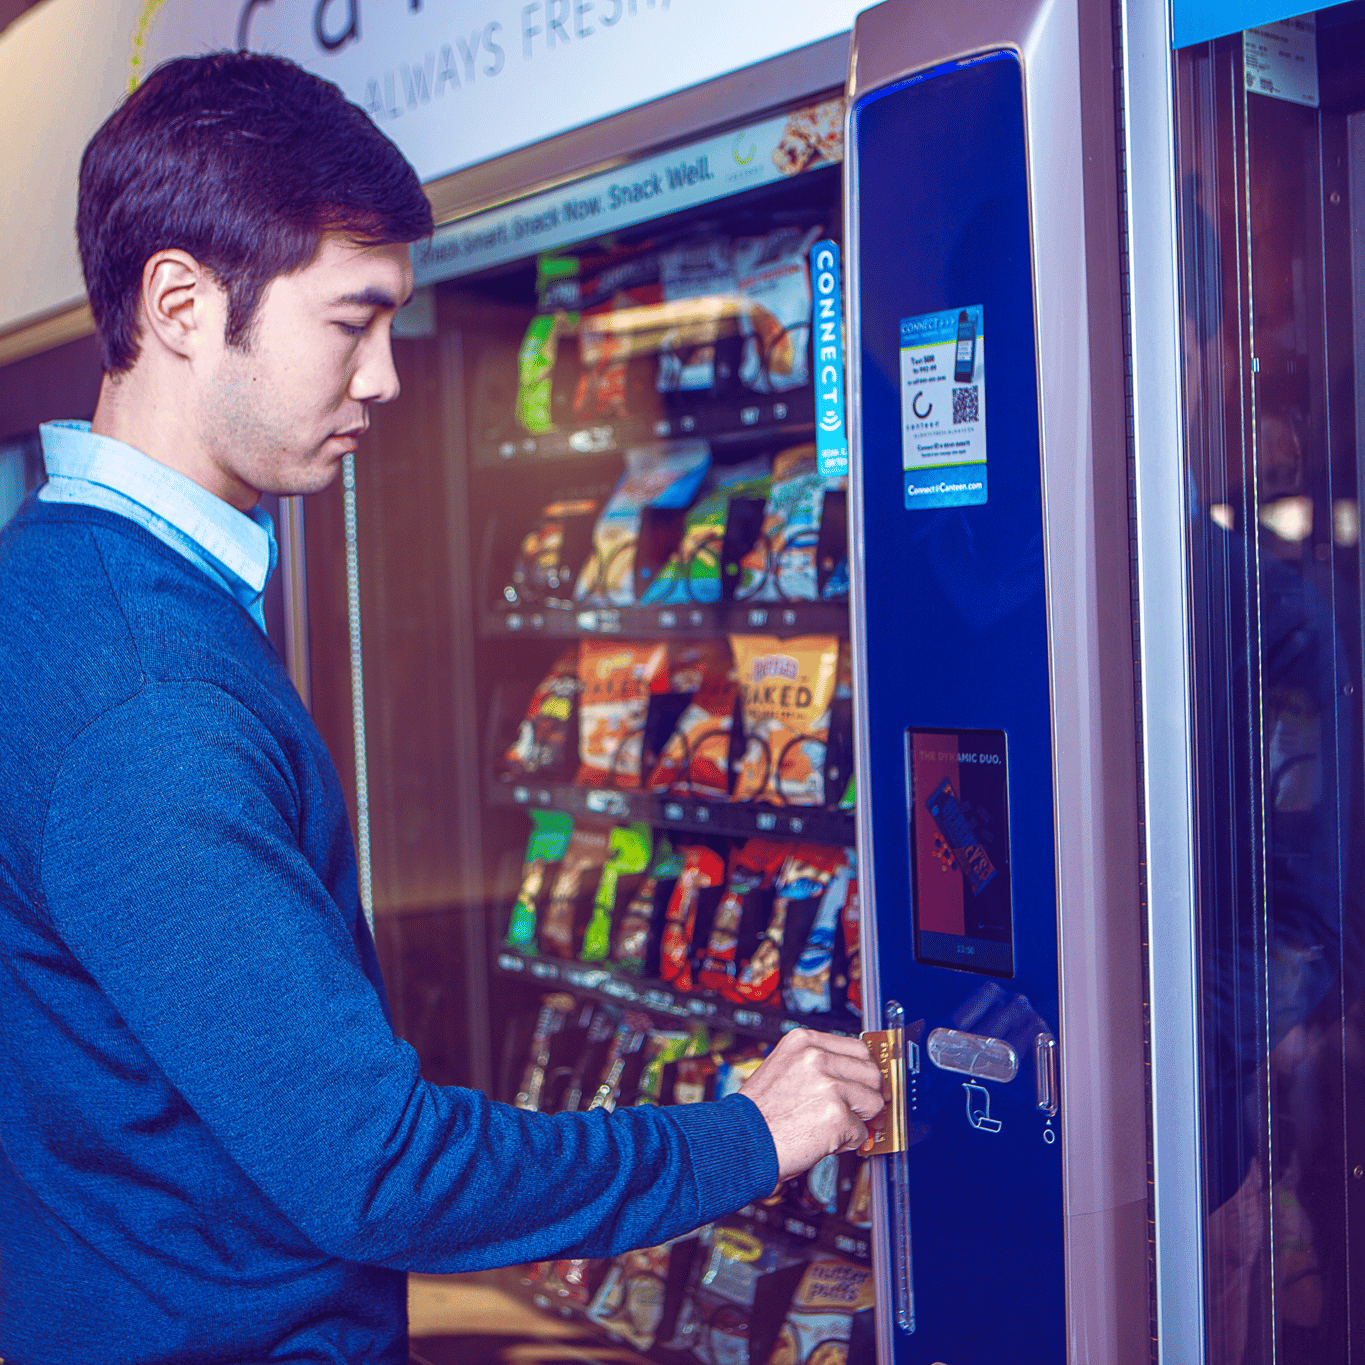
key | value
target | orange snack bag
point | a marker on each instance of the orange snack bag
(617, 679)
(786, 687)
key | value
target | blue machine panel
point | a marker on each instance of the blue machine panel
(956, 697)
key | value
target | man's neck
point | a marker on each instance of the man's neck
(134, 408)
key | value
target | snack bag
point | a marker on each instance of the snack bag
(808, 988)
(616, 680)
(693, 572)
(701, 307)
(786, 687)
(556, 285)
(666, 474)
(696, 757)
(628, 1040)
(630, 849)
(630, 1302)
(555, 1011)
(742, 914)
(781, 565)
(702, 871)
(563, 919)
(619, 329)
(800, 888)
(631, 950)
(662, 1048)
(852, 923)
(820, 1319)
(553, 551)
(715, 1317)
(773, 275)
(543, 746)
(736, 1068)
(550, 832)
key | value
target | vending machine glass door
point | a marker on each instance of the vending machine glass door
(1271, 202)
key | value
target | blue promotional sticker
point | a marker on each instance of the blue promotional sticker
(943, 408)
(831, 435)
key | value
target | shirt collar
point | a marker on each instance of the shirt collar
(239, 545)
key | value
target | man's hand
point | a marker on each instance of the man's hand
(816, 1090)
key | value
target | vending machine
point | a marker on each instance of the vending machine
(871, 543)
(998, 822)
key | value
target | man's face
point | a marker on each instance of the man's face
(279, 415)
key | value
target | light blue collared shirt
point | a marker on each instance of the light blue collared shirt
(235, 549)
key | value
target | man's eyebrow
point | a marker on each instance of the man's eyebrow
(371, 298)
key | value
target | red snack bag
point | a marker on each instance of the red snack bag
(740, 915)
(544, 739)
(702, 870)
(616, 679)
(697, 755)
(853, 947)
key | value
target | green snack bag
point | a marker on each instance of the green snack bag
(665, 1047)
(540, 345)
(630, 851)
(850, 797)
(638, 923)
(550, 831)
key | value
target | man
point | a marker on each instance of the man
(214, 1149)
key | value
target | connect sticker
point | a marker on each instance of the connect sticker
(943, 407)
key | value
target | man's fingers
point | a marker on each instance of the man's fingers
(860, 1100)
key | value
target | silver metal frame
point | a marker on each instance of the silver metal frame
(1162, 519)
(1100, 969)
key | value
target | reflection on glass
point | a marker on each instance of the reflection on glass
(1270, 304)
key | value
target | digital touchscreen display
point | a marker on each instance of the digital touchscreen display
(960, 849)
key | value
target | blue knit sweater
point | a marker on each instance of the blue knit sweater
(212, 1146)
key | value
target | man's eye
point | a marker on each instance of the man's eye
(354, 329)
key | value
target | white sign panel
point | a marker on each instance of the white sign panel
(1281, 60)
(637, 193)
(462, 81)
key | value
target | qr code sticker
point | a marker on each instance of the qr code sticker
(966, 405)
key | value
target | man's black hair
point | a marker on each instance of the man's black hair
(244, 161)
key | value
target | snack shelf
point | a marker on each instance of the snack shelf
(599, 983)
(736, 819)
(676, 621)
(792, 417)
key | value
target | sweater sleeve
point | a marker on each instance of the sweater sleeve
(172, 869)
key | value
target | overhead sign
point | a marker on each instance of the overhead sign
(638, 193)
(459, 82)
(1200, 21)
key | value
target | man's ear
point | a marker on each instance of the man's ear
(182, 304)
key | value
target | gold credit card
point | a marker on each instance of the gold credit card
(886, 1133)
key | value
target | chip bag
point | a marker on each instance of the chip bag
(743, 912)
(773, 274)
(556, 317)
(565, 917)
(553, 551)
(696, 757)
(638, 925)
(666, 474)
(543, 746)
(630, 849)
(801, 886)
(781, 566)
(617, 680)
(808, 988)
(703, 872)
(693, 572)
(630, 1302)
(786, 687)
(820, 1319)
(550, 833)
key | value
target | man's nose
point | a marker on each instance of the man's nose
(375, 379)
